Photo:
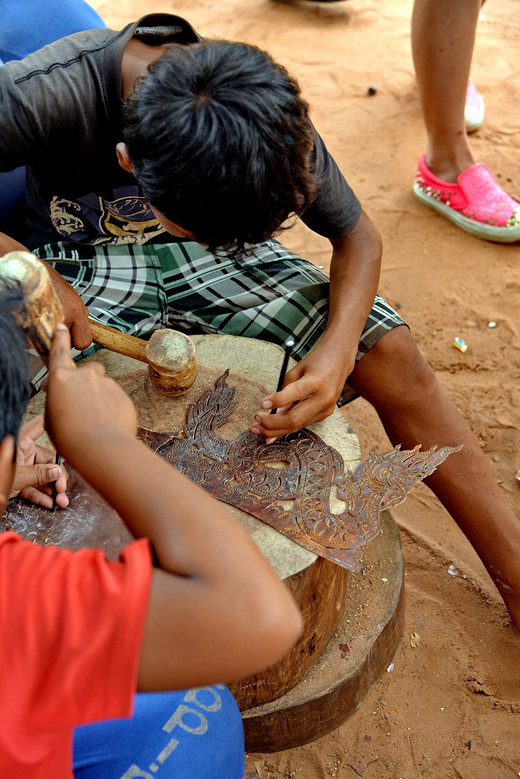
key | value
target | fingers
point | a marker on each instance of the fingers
(42, 455)
(36, 496)
(27, 451)
(43, 497)
(294, 391)
(39, 474)
(273, 426)
(32, 454)
(304, 399)
(80, 332)
(59, 355)
(74, 309)
(61, 487)
(33, 482)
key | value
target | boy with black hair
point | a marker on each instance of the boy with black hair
(80, 633)
(219, 149)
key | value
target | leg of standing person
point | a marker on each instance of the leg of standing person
(443, 38)
(271, 294)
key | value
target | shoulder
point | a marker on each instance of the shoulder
(66, 53)
(335, 210)
(66, 81)
(74, 66)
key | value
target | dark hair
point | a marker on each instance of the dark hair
(220, 141)
(14, 374)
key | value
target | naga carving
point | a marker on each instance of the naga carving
(292, 483)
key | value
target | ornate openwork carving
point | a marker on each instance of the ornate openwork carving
(290, 484)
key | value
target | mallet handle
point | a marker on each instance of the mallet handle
(119, 342)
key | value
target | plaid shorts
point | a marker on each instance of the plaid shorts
(270, 293)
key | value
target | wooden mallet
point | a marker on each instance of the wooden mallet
(169, 354)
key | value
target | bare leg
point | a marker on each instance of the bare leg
(414, 409)
(443, 36)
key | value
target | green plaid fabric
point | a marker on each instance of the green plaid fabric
(270, 293)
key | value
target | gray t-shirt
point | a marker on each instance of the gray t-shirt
(62, 119)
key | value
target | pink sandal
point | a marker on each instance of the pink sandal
(475, 203)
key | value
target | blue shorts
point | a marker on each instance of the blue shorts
(186, 734)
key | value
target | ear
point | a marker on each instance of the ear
(7, 466)
(124, 158)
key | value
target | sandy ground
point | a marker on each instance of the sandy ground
(451, 705)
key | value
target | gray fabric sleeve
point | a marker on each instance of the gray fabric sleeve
(53, 94)
(17, 138)
(335, 210)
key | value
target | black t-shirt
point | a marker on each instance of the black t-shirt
(62, 119)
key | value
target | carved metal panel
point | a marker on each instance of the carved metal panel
(88, 521)
(289, 484)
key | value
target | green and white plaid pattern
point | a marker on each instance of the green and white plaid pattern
(270, 293)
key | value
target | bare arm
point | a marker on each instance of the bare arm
(313, 386)
(217, 610)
